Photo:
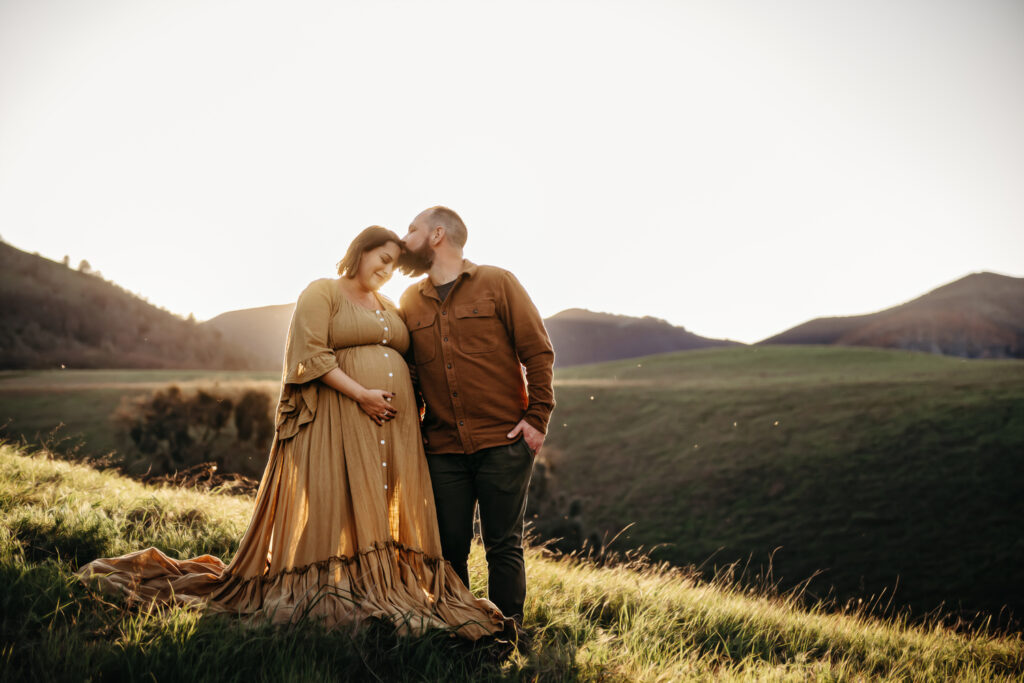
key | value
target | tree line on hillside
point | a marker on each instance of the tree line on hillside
(53, 316)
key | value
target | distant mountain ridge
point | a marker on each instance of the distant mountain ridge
(260, 331)
(578, 335)
(581, 336)
(52, 316)
(978, 316)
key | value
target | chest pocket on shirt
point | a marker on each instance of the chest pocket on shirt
(478, 327)
(423, 330)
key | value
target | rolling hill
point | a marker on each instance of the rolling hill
(978, 316)
(52, 316)
(261, 331)
(580, 336)
(865, 469)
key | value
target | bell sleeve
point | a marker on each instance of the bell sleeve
(307, 356)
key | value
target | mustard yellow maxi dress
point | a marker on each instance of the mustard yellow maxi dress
(344, 527)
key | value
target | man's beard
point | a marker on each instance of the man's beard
(416, 263)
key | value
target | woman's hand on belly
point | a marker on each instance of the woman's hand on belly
(377, 404)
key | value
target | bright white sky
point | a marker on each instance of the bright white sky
(734, 167)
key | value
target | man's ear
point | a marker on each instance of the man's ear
(437, 235)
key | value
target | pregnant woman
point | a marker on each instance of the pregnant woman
(344, 527)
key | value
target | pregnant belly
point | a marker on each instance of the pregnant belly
(375, 367)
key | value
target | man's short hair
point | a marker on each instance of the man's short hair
(453, 225)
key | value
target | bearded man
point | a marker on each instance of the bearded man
(474, 331)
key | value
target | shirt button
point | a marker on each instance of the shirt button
(385, 329)
(461, 423)
(384, 464)
(446, 338)
(385, 486)
(377, 312)
(385, 355)
(455, 393)
(382, 442)
(391, 374)
(444, 312)
(449, 366)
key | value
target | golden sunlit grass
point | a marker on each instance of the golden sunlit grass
(628, 622)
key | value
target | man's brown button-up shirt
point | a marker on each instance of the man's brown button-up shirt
(470, 352)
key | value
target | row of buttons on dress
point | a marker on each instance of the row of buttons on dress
(384, 341)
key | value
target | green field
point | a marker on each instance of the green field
(874, 469)
(866, 472)
(589, 624)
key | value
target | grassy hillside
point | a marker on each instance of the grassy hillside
(875, 468)
(590, 623)
(52, 316)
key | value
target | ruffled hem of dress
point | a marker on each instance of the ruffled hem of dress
(389, 582)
